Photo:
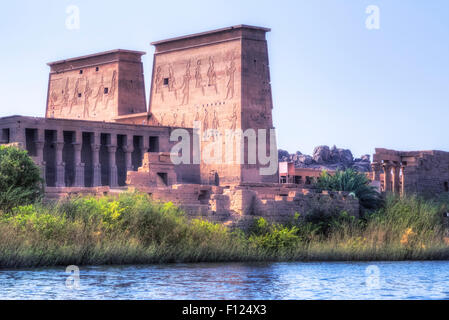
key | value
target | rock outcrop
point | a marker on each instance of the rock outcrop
(326, 158)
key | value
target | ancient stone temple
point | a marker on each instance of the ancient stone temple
(100, 86)
(98, 136)
(221, 79)
(407, 172)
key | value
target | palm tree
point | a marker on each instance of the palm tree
(351, 181)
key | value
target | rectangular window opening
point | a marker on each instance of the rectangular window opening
(154, 144)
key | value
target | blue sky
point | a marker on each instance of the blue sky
(333, 80)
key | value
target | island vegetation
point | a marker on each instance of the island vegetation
(132, 229)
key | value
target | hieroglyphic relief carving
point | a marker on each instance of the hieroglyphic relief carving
(112, 90)
(183, 121)
(175, 116)
(212, 75)
(172, 81)
(65, 96)
(198, 77)
(159, 82)
(99, 96)
(53, 99)
(87, 94)
(205, 120)
(74, 96)
(215, 123)
(186, 85)
(162, 116)
(197, 115)
(233, 118)
(230, 72)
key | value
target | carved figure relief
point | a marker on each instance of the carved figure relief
(74, 97)
(233, 118)
(100, 93)
(159, 82)
(53, 99)
(175, 116)
(183, 121)
(197, 115)
(172, 81)
(205, 120)
(215, 123)
(212, 75)
(65, 95)
(230, 72)
(198, 77)
(87, 94)
(112, 89)
(185, 85)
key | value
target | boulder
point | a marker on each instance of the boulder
(305, 159)
(343, 156)
(283, 155)
(325, 158)
(321, 154)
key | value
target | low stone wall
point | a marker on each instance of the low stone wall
(240, 205)
(236, 206)
(52, 193)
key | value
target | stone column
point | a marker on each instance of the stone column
(129, 149)
(395, 179)
(387, 176)
(403, 180)
(40, 154)
(60, 165)
(145, 144)
(96, 167)
(79, 166)
(113, 181)
(17, 134)
(375, 167)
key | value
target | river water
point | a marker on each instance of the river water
(293, 280)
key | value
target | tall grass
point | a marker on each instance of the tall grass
(131, 229)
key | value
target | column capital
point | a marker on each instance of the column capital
(59, 145)
(39, 143)
(387, 165)
(375, 165)
(112, 148)
(128, 149)
(95, 147)
(77, 146)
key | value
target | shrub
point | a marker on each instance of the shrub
(20, 181)
(273, 237)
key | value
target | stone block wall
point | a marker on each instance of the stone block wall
(239, 206)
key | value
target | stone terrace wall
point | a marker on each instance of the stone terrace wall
(240, 205)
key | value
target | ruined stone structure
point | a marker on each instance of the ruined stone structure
(239, 205)
(98, 136)
(406, 172)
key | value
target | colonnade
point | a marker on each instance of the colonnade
(393, 175)
(82, 159)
